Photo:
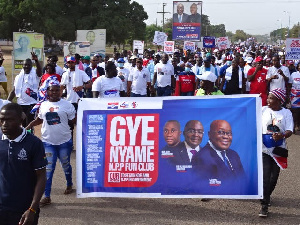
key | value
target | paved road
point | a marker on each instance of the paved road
(68, 210)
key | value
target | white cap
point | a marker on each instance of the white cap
(208, 76)
(249, 59)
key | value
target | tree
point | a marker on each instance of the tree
(240, 35)
(60, 19)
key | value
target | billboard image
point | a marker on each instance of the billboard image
(127, 147)
(81, 48)
(97, 39)
(187, 20)
(24, 44)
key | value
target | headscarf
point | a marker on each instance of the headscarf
(279, 94)
(42, 94)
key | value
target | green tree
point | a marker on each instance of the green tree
(240, 35)
(60, 19)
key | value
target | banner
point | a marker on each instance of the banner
(24, 44)
(187, 20)
(189, 45)
(139, 45)
(169, 47)
(209, 42)
(223, 43)
(97, 39)
(292, 49)
(79, 47)
(129, 147)
(160, 38)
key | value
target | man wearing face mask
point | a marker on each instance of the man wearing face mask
(185, 82)
(164, 75)
(207, 67)
(123, 72)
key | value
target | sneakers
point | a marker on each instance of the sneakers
(45, 201)
(68, 190)
(264, 211)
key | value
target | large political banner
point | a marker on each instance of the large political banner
(97, 39)
(24, 44)
(187, 20)
(292, 49)
(170, 147)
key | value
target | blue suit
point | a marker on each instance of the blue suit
(209, 165)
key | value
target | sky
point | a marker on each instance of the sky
(254, 17)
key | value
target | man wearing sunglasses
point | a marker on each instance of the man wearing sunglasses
(216, 160)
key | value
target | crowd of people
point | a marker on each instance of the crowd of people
(50, 95)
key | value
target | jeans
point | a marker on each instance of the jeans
(189, 93)
(136, 95)
(63, 152)
(13, 218)
(164, 91)
(270, 176)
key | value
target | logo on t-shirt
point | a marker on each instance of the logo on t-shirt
(52, 118)
(22, 154)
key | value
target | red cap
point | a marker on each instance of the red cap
(258, 59)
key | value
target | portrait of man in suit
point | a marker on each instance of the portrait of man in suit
(216, 160)
(195, 17)
(180, 16)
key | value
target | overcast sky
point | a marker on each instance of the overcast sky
(254, 17)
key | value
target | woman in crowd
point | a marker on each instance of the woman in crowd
(295, 97)
(277, 126)
(55, 115)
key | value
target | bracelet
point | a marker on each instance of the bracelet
(32, 210)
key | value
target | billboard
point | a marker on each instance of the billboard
(81, 48)
(127, 147)
(24, 44)
(97, 39)
(187, 20)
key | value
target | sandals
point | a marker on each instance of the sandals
(68, 190)
(45, 201)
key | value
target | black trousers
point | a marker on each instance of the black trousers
(270, 176)
(29, 117)
(13, 218)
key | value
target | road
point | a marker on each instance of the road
(285, 209)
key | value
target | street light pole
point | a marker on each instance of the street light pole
(289, 22)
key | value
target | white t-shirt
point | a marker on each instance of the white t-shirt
(278, 83)
(108, 87)
(123, 74)
(139, 81)
(59, 70)
(28, 82)
(295, 79)
(55, 115)
(3, 78)
(72, 96)
(164, 73)
(283, 119)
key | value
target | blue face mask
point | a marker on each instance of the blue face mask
(187, 69)
(229, 63)
(120, 64)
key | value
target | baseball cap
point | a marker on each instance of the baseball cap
(208, 76)
(258, 59)
(249, 59)
(121, 60)
(86, 57)
(70, 59)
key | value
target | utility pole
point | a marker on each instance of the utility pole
(163, 12)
